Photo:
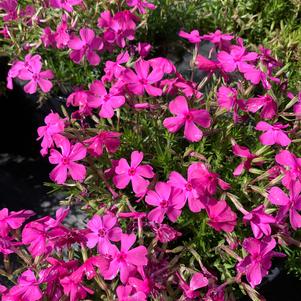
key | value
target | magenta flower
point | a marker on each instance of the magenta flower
(82, 100)
(89, 266)
(193, 37)
(143, 49)
(127, 293)
(273, 134)
(237, 58)
(243, 152)
(103, 140)
(141, 5)
(260, 221)
(165, 233)
(61, 36)
(205, 181)
(288, 204)
(198, 280)
(218, 37)
(54, 125)
(266, 104)
(27, 289)
(67, 5)
(10, 7)
(187, 117)
(292, 173)
(85, 45)
(221, 217)
(143, 79)
(66, 161)
(73, 286)
(125, 260)
(205, 64)
(102, 232)
(113, 70)
(134, 173)
(36, 77)
(257, 263)
(12, 220)
(195, 202)
(167, 200)
(107, 101)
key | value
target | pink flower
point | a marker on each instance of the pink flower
(12, 220)
(140, 5)
(86, 46)
(143, 49)
(273, 134)
(266, 103)
(291, 203)
(113, 70)
(205, 64)
(89, 266)
(27, 289)
(236, 58)
(47, 37)
(67, 5)
(58, 269)
(107, 101)
(257, 263)
(189, 117)
(165, 233)
(73, 286)
(206, 182)
(54, 125)
(176, 180)
(126, 293)
(104, 139)
(221, 217)
(134, 173)
(120, 27)
(36, 77)
(292, 173)
(143, 79)
(198, 280)
(260, 221)
(167, 200)
(102, 232)
(218, 37)
(243, 152)
(66, 161)
(193, 37)
(10, 8)
(61, 36)
(82, 100)
(125, 260)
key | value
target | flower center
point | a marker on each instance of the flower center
(65, 160)
(143, 81)
(164, 203)
(132, 171)
(121, 256)
(106, 98)
(101, 232)
(188, 116)
(188, 186)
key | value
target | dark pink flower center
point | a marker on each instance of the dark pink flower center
(36, 76)
(164, 203)
(121, 256)
(106, 98)
(188, 186)
(65, 160)
(143, 81)
(132, 171)
(102, 233)
(188, 116)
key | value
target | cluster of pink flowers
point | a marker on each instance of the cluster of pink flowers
(134, 207)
